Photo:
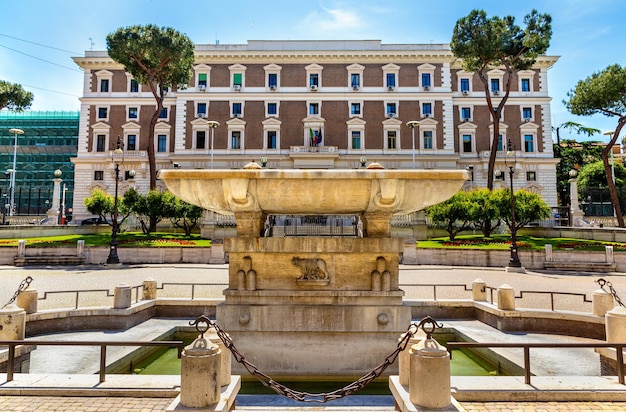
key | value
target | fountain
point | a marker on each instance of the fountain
(314, 306)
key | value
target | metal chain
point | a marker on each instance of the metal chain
(23, 285)
(349, 389)
(602, 282)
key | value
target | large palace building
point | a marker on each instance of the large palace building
(315, 104)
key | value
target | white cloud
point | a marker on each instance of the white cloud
(331, 22)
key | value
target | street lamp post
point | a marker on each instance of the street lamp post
(113, 258)
(15, 133)
(212, 124)
(412, 125)
(514, 262)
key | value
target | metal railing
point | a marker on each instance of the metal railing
(619, 347)
(77, 293)
(192, 285)
(435, 287)
(491, 290)
(12, 344)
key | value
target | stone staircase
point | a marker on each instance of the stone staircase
(48, 260)
(582, 266)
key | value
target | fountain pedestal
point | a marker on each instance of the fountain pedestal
(314, 306)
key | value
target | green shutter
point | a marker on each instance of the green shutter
(237, 79)
(202, 77)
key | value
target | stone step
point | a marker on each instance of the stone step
(582, 266)
(48, 260)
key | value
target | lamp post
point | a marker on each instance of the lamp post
(412, 125)
(212, 124)
(15, 133)
(113, 258)
(514, 262)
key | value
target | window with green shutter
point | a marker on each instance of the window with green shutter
(237, 79)
(202, 79)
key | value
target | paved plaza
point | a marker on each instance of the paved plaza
(88, 277)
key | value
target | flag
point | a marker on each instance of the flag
(319, 137)
(312, 137)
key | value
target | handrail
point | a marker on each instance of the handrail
(619, 347)
(12, 344)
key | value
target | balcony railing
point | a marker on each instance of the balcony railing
(313, 149)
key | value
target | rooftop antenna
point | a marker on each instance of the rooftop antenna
(91, 44)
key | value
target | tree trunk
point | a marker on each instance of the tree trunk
(609, 175)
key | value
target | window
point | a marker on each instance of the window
(466, 113)
(314, 108)
(314, 80)
(201, 109)
(467, 143)
(104, 85)
(272, 109)
(529, 143)
(495, 86)
(391, 110)
(132, 142)
(392, 139)
(427, 142)
(202, 80)
(527, 113)
(525, 85)
(355, 109)
(355, 80)
(237, 79)
(134, 86)
(162, 143)
(272, 80)
(100, 142)
(500, 143)
(98, 175)
(356, 139)
(271, 139)
(531, 176)
(235, 139)
(200, 139)
(390, 80)
(237, 110)
(425, 79)
(163, 114)
(427, 109)
(465, 85)
(102, 112)
(132, 113)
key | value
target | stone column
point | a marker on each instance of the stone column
(404, 358)
(122, 296)
(608, 251)
(200, 374)
(602, 302)
(149, 289)
(377, 224)
(80, 248)
(549, 256)
(575, 213)
(616, 325)
(429, 383)
(506, 298)
(55, 209)
(250, 224)
(27, 300)
(13, 321)
(225, 356)
(479, 290)
(21, 248)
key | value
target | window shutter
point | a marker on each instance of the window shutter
(237, 79)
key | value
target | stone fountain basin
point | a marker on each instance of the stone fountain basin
(296, 191)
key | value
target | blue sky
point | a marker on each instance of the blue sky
(587, 35)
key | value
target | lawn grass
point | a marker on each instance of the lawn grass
(126, 239)
(503, 242)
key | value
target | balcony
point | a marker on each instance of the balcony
(313, 157)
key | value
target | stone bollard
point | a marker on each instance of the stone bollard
(27, 300)
(241, 280)
(404, 358)
(506, 297)
(200, 374)
(122, 296)
(149, 289)
(80, 248)
(608, 254)
(21, 248)
(616, 325)
(12, 323)
(376, 281)
(549, 257)
(602, 302)
(225, 355)
(429, 383)
(479, 290)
